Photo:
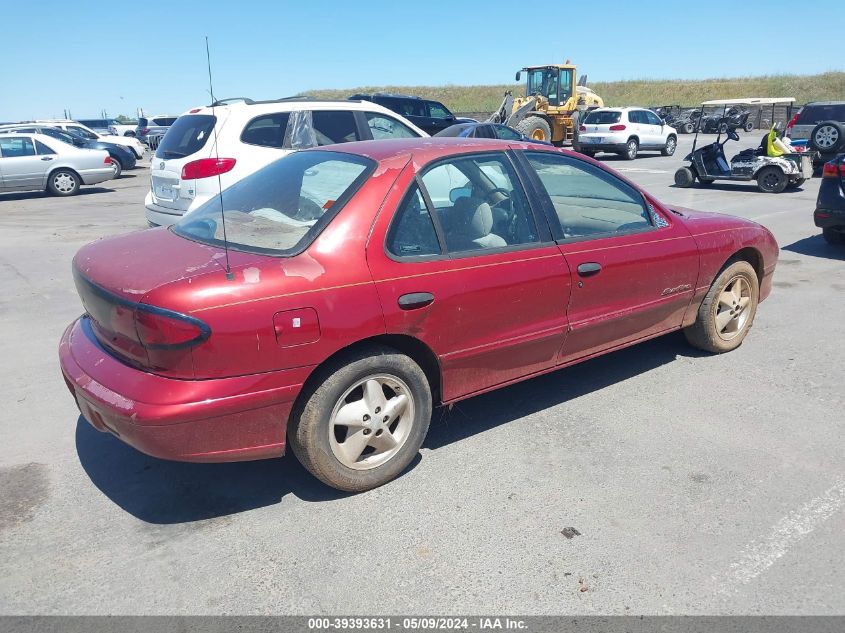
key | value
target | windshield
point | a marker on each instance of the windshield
(597, 117)
(187, 136)
(555, 84)
(281, 208)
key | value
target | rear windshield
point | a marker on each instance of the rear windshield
(187, 136)
(280, 209)
(142, 122)
(602, 118)
(164, 121)
(453, 130)
(813, 114)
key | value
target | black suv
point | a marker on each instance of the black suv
(431, 116)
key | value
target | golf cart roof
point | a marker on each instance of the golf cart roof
(750, 101)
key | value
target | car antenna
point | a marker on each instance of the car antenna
(229, 274)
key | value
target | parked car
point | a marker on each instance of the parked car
(360, 285)
(153, 126)
(484, 130)
(427, 114)
(100, 126)
(624, 131)
(822, 125)
(30, 162)
(184, 172)
(81, 130)
(123, 129)
(830, 204)
(121, 157)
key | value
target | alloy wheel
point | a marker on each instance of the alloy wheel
(371, 421)
(827, 136)
(731, 308)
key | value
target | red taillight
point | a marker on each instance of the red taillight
(107, 160)
(161, 329)
(582, 128)
(206, 167)
(195, 110)
(144, 130)
(832, 170)
(792, 121)
(617, 128)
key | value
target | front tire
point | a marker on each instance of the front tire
(727, 311)
(63, 182)
(833, 237)
(689, 128)
(670, 147)
(684, 177)
(365, 421)
(771, 179)
(536, 128)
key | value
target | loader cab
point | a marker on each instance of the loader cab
(555, 83)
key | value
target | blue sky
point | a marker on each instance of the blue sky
(95, 55)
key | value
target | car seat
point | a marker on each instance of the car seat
(474, 226)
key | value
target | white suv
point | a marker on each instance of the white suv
(251, 134)
(624, 131)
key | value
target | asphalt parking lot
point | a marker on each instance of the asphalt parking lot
(655, 480)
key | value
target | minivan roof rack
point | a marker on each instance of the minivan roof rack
(228, 100)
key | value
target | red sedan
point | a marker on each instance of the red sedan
(365, 283)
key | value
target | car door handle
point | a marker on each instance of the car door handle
(46, 158)
(589, 268)
(414, 300)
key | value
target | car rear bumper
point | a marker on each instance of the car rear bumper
(93, 176)
(606, 146)
(218, 420)
(829, 219)
(161, 216)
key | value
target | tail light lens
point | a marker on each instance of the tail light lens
(792, 121)
(207, 167)
(144, 130)
(832, 170)
(582, 128)
(162, 329)
(617, 128)
(107, 160)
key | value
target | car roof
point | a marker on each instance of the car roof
(824, 103)
(290, 105)
(429, 148)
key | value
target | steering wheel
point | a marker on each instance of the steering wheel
(505, 192)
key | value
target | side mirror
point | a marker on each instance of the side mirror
(518, 75)
(459, 192)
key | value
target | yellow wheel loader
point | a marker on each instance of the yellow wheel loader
(551, 109)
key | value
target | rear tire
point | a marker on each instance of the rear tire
(63, 182)
(727, 311)
(689, 128)
(631, 149)
(684, 177)
(536, 128)
(771, 179)
(670, 147)
(375, 380)
(833, 237)
(748, 126)
(117, 167)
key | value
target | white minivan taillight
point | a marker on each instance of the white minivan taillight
(207, 167)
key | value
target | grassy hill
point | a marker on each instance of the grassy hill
(823, 87)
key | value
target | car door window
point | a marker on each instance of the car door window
(438, 111)
(653, 119)
(382, 126)
(17, 147)
(267, 130)
(412, 232)
(82, 132)
(587, 200)
(480, 203)
(334, 127)
(42, 149)
(506, 134)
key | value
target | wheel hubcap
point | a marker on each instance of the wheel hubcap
(64, 182)
(538, 135)
(670, 146)
(371, 422)
(732, 309)
(827, 136)
(632, 150)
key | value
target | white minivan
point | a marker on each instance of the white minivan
(187, 169)
(624, 131)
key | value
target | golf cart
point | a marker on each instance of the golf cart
(774, 171)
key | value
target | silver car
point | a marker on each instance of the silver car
(153, 126)
(30, 162)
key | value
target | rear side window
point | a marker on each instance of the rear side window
(267, 130)
(587, 200)
(603, 118)
(412, 233)
(43, 150)
(813, 114)
(187, 136)
(280, 209)
(16, 147)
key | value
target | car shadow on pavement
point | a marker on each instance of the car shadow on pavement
(493, 409)
(164, 492)
(31, 195)
(816, 246)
